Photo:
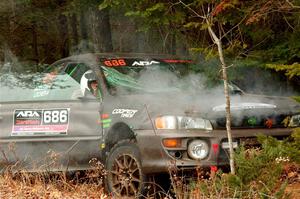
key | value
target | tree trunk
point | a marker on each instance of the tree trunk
(84, 32)
(48, 55)
(11, 26)
(102, 31)
(140, 42)
(35, 50)
(75, 37)
(218, 42)
(173, 44)
(63, 33)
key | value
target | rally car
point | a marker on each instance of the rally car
(139, 114)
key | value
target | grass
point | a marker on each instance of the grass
(263, 172)
(47, 186)
(217, 185)
(88, 184)
(260, 173)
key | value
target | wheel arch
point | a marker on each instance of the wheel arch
(118, 132)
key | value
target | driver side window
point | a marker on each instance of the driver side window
(87, 79)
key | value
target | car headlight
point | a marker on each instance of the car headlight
(182, 122)
(295, 121)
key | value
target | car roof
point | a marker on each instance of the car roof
(94, 57)
(132, 55)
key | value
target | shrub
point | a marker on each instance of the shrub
(261, 172)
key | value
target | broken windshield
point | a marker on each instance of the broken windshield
(153, 78)
(162, 77)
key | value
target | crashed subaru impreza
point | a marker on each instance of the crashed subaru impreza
(138, 114)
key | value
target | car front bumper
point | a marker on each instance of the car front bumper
(157, 158)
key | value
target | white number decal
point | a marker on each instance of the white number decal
(63, 117)
(55, 116)
(47, 117)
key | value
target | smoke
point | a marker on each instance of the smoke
(167, 91)
(253, 77)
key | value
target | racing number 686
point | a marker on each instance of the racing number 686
(55, 116)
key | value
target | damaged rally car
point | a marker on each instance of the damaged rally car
(138, 114)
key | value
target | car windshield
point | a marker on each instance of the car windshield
(163, 77)
(152, 78)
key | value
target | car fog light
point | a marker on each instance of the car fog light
(198, 149)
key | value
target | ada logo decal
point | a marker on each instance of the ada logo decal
(28, 114)
(144, 63)
(128, 113)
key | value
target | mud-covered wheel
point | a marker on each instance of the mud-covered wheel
(124, 172)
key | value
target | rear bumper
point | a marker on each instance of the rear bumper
(156, 158)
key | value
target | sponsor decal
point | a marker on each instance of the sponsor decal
(244, 106)
(144, 63)
(102, 146)
(105, 120)
(106, 123)
(114, 62)
(252, 121)
(29, 122)
(269, 123)
(105, 116)
(126, 113)
(41, 91)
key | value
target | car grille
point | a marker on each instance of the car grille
(253, 122)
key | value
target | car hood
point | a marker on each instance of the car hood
(210, 105)
(260, 104)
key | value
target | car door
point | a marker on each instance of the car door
(46, 124)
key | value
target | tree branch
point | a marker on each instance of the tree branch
(193, 11)
(292, 5)
(234, 27)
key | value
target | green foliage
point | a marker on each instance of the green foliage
(281, 191)
(290, 70)
(259, 171)
(258, 30)
(289, 148)
(260, 36)
(193, 25)
(146, 13)
(297, 98)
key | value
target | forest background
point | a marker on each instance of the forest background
(260, 38)
(261, 46)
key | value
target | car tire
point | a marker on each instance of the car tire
(124, 171)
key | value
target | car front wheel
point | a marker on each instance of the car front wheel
(124, 171)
